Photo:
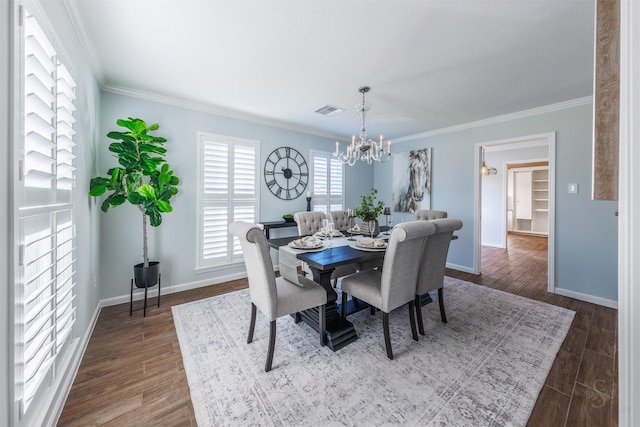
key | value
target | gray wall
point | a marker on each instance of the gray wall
(174, 242)
(586, 230)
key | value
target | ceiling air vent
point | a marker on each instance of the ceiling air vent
(329, 110)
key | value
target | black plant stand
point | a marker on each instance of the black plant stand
(146, 288)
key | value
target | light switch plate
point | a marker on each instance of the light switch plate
(573, 189)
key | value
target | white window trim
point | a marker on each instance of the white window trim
(202, 266)
(48, 390)
(329, 157)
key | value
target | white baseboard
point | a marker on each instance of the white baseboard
(586, 297)
(153, 292)
(462, 268)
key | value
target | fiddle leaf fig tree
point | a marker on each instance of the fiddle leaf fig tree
(143, 177)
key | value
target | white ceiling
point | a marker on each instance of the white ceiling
(430, 64)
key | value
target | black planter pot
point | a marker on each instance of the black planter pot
(146, 277)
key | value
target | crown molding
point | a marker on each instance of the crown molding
(500, 119)
(85, 40)
(210, 109)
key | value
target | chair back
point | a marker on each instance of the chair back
(340, 220)
(429, 214)
(400, 267)
(257, 260)
(434, 255)
(308, 222)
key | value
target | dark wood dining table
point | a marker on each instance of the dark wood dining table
(339, 332)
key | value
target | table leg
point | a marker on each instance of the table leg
(339, 332)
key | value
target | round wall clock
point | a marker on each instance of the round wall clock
(286, 173)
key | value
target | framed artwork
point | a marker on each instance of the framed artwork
(412, 180)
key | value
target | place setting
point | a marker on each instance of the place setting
(369, 244)
(307, 243)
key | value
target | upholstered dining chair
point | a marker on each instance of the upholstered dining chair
(429, 214)
(394, 285)
(340, 220)
(308, 222)
(432, 265)
(274, 297)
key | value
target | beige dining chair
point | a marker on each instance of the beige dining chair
(340, 220)
(429, 214)
(308, 222)
(432, 265)
(274, 297)
(394, 285)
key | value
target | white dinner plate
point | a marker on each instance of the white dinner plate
(307, 248)
(364, 248)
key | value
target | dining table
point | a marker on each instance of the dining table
(322, 262)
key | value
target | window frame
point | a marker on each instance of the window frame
(24, 210)
(233, 255)
(326, 200)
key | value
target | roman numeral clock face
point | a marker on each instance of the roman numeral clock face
(286, 173)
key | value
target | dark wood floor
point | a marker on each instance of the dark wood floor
(132, 372)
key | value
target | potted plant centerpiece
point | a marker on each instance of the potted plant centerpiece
(368, 211)
(144, 179)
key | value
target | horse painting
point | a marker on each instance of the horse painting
(412, 180)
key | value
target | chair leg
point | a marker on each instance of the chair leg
(412, 319)
(372, 310)
(387, 337)
(343, 310)
(416, 304)
(323, 324)
(443, 315)
(252, 323)
(272, 344)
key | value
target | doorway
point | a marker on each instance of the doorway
(493, 205)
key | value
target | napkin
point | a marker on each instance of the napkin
(368, 242)
(356, 227)
(307, 242)
(334, 233)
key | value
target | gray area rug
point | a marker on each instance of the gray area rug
(483, 368)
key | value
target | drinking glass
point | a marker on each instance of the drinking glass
(330, 232)
(325, 225)
(372, 225)
(390, 220)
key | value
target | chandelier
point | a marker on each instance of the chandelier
(364, 149)
(487, 170)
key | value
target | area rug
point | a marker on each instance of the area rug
(485, 367)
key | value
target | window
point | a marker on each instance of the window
(228, 190)
(327, 182)
(45, 310)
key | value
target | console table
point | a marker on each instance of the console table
(276, 224)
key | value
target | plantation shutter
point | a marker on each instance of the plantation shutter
(45, 289)
(328, 182)
(229, 192)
